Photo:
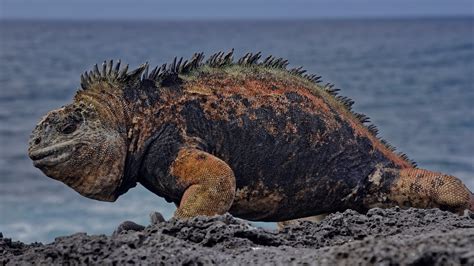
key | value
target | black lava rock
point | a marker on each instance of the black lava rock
(380, 237)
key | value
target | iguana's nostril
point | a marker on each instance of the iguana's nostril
(37, 141)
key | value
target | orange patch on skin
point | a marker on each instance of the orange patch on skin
(259, 92)
(184, 167)
(208, 183)
(200, 90)
(270, 87)
(192, 166)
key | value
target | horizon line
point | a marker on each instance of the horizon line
(237, 19)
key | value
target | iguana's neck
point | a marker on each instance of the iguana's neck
(114, 111)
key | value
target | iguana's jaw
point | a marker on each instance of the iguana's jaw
(68, 162)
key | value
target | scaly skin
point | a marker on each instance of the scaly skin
(250, 138)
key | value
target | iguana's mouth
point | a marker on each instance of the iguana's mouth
(52, 155)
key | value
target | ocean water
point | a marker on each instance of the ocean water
(413, 77)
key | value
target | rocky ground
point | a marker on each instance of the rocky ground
(381, 237)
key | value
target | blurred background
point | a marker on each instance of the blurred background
(408, 65)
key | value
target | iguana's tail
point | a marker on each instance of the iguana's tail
(419, 188)
(408, 187)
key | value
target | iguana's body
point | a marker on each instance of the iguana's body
(251, 138)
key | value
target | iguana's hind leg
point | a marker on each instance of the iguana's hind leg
(314, 219)
(419, 188)
(208, 181)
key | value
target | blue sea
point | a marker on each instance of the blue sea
(413, 77)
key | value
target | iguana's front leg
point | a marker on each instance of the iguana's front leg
(208, 181)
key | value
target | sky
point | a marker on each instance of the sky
(229, 9)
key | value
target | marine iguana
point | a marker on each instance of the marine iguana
(250, 137)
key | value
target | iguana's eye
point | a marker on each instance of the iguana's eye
(68, 128)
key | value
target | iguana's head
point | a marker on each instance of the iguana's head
(84, 144)
(74, 145)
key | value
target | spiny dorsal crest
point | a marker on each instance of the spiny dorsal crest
(221, 59)
(113, 74)
(160, 73)
(273, 62)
